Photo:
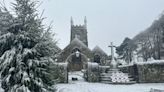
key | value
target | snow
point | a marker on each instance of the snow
(81, 86)
(126, 65)
(151, 62)
(104, 67)
(7, 57)
(22, 88)
(93, 65)
(97, 49)
(79, 42)
(1, 90)
(144, 63)
(99, 87)
(78, 75)
(62, 64)
(11, 69)
(25, 77)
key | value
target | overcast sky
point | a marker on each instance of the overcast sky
(108, 20)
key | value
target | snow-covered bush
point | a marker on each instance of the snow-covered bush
(26, 49)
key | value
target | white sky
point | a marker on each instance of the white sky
(108, 20)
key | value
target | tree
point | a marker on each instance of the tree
(150, 41)
(124, 50)
(26, 50)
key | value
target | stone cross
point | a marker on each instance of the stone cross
(113, 62)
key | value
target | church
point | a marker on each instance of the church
(77, 53)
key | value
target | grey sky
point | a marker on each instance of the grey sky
(108, 20)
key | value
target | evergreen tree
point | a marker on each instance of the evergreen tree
(26, 50)
(124, 50)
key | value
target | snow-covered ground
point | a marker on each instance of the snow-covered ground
(99, 87)
(82, 86)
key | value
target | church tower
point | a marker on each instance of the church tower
(79, 31)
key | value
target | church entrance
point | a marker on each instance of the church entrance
(75, 61)
(76, 64)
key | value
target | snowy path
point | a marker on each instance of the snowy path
(82, 86)
(98, 87)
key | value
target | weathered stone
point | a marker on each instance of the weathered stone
(146, 73)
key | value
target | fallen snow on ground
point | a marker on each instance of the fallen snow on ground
(82, 86)
(99, 87)
(78, 75)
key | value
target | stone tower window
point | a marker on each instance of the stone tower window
(77, 36)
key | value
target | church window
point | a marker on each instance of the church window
(77, 36)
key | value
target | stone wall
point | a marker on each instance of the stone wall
(132, 70)
(151, 72)
(92, 73)
(146, 73)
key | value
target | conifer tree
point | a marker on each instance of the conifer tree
(26, 49)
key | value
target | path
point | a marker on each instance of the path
(82, 86)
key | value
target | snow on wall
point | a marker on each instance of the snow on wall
(146, 72)
(92, 72)
(93, 65)
(151, 62)
(65, 65)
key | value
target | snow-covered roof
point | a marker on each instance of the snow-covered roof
(77, 42)
(97, 49)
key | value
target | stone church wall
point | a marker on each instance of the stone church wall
(151, 73)
(67, 51)
(146, 73)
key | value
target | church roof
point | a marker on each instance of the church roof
(97, 49)
(77, 43)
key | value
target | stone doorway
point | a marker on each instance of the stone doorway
(76, 63)
(76, 60)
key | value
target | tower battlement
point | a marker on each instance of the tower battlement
(78, 26)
